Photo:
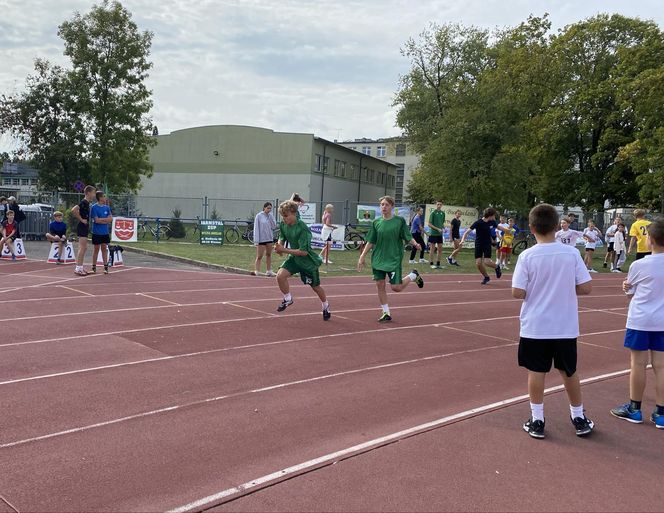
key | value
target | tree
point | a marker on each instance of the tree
(96, 124)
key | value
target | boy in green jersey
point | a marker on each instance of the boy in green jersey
(301, 258)
(437, 226)
(387, 236)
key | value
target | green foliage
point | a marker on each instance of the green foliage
(214, 215)
(175, 224)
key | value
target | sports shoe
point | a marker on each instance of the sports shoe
(385, 317)
(252, 273)
(412, 262)
(604, 265)
(284, 304)
(505, 268)
(13, 256)
(270, 273)
(438, 267)
(449, 261)
(93, 269)
(583, 425)
(499, 272)
(626, 413)
(60, 261)
(326, 314)
(456, 263)
(658, 420)
(486, 280)
(80, 272)
(534, 428)
(418, 279)
(592, 271)
(105, 269)
(616, 271)
(328, 262)
(433, 266)
(423, 260)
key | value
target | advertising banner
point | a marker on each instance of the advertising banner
(308, 213)
(338, 237)
(468, 216)
(125, 229)
(367, 213)
(212, 231)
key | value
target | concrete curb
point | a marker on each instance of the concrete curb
(183, 260)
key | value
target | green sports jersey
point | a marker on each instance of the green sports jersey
(298, 236)
(437, 218)
(388, 237)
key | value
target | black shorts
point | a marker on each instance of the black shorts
(435, 239)
(264, 243)
(537, 354)
(609, 249)
(639, 256)
(483, 251)
(82, 230)
(101, 239)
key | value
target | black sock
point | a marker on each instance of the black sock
(438, 263)
(634, 405)
(659, 410)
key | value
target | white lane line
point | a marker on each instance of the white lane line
(247, 392)
(355, 450)
(76, 290)
(478, 333)
(255, 310)
(171, 303)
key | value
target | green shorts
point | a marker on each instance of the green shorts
(393, 276)
(309, 276)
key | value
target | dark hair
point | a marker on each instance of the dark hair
(296, 197)
(543, 219)
(488, 212)
(656, 231)
(267, 204)
(99, 195)
(2, 198)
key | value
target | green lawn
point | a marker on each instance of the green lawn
(242, 256)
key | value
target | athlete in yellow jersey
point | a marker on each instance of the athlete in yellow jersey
(639, 233)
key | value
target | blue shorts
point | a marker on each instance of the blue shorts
(644, 340)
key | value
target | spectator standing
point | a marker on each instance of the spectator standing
(264, 226)
(82, 213)
(417, 230)
(100, 215)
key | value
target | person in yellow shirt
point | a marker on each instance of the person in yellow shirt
(638, 233)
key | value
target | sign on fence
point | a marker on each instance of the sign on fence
(308, 213)
(212, 231)
(125, 229)
(338, 236)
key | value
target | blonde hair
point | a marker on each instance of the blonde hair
(389, 199)
(329, 206)
(639, 212)
(57, 213)
(287, 207)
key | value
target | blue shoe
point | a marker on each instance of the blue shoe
(626, 413)
(658, 420)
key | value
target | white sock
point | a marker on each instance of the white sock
(288, 297)
(576, 411)
(412, 276)
(326, 305)
(386, 309)
(537, 411)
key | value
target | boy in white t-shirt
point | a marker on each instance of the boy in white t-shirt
(566, 235)
(619, 248)
(592, 236)
(644, 336)
(609, 235)
(548, 277)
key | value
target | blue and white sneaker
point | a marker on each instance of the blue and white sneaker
(626, 413)
(658, 420)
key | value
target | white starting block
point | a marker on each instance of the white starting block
(19, 250)
(67, 258)
(117, 258)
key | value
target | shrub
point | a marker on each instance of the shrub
(175, 224)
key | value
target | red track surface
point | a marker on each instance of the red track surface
(149, 390)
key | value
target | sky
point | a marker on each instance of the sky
(327, 68)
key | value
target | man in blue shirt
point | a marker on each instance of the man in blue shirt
(100, 215)
(417, 229)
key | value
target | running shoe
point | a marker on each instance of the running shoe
(423, 260)
(582, 425)
(449, 261)
(658, 420)
(486, 280)
(534, 428)
(412, 262)
(418, 278)
(60, 261)
(499, 272)
(326, 314)
(604, 265)
(626, 413)
(80, 272)
(385, 317)
(270, 273)
(284, 304)
(13, 256)
(252, 273)
(433, 266)
(93, 269)
(456, 263)
(592, 271)
(105, 269)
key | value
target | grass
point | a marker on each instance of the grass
(242, 256)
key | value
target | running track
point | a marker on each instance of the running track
(154, 390)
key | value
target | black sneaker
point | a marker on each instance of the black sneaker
(105, 269)
(284, 304)
(486, 280)
(93, 269)
(418, 278)
(449, 261)
(583, 425)
(385, 317)
(534, 428)
(326, 314)
(456, 263)
(604, 265)
(499, 271)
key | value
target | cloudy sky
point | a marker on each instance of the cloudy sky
(328, 68)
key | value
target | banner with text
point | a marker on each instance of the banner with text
(468, 216)
(338, 236)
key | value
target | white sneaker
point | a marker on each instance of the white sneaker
(270, 273)
(328, 262)
(505, 268)
(423, 260)
(592, 271)
(412, 262)
(616, 271)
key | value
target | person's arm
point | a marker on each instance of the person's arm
(583, 289)
(76, 211)
(518, 293)
(360, 261)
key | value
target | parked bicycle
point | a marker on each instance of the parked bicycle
(234, 233)
(161, 232)
(354, 239)
(525, 240)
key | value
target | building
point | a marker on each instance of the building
(394, 150)
(232, 170)
(19, 180)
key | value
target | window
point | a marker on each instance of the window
(322, 163)
(353, 172)
(340, 168)
(401, 150)
(34, 181)
(16, 181)
(25, 181)
(380, 151)
(366, 150)
(6, 181)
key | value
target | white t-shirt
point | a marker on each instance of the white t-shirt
(646, 309)
(549, 273)
(592, 235)
(619, 242)
(568, 237)
(610, 232)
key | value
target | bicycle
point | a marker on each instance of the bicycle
(353, 239)
(163, 232)
(234, 234)
(524, 243)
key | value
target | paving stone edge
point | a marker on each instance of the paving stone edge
(183, 260)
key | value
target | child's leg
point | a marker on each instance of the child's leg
(320, 293)
(382, 293)
(282, 281)
(260, 251)
(573, 388)
(637, 374)
(457, 248)
(10, 245)
(268, 257)
(440, 253)
(82, 248)
(488, 262)
(657, 359)
(104, 254)
(479, 262)
(95, 254)
(536, 386)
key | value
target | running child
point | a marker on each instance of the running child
(548, 277)
(100, 215)
(619, 249)
(506, 243)
(592, 235)
(387, 236)
(644, 336)
(455, 235)
(566, 235)
(301, 258)
(436, 224)
(82, 213)
(484, 243)
(57, 232)
(417, 231)
(638, 234)
(10, 233)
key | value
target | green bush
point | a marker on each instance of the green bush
(175, 224)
